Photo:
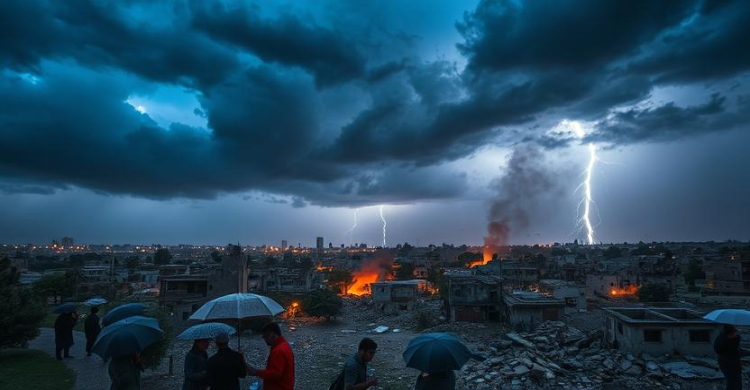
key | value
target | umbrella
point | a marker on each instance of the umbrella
(208, 330)
(127, 336)
(237, 307)
(122, 312)
(437, 352)
(96, 301)
(729, 316)
(67, 307)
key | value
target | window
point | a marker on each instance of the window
(652, 336)
(619, 327)
(700, 336)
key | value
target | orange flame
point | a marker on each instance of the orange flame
(361, 283)
(623, 292)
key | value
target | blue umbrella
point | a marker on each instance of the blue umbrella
(437, 352)
(96, 301)
(729, 316)
(122, 312)
(127, 336)
(67, 307)
(208, 330)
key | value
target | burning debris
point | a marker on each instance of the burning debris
(376, 270)
(627, 291)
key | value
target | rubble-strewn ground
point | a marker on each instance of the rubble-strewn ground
(556, 355)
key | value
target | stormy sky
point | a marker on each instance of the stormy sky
(221, 121)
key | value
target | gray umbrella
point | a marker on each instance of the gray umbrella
(237, 307)
(122, 312)
(127, 336)
(208, 330)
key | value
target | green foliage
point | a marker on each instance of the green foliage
(54, 286)
(406, 272)
(322, 303)
(341, 279)
(612, 252)
(22, 310)
(162, 256)
(694, 271)
(306, 263)
(654, 292)
(132, 262)
(270, 261)
(155, 353)
(468, 257)
(216, 256)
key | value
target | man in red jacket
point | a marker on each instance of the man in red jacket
(279, 372)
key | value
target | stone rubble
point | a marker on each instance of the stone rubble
(557, 356)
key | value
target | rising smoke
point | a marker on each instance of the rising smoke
(528, 179)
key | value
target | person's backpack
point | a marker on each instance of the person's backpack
(338, 384)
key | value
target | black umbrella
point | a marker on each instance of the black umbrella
(67, 307)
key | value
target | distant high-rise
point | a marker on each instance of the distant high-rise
(284, 245)
(67, 242)
(319, 244)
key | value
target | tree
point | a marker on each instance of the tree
(270, 261)
(162, 257)
(216, 256)
(306, 263)
(22, 310)
(467, 258)
(612, 252)
(53, 285)
(132, 262)
(322, 303)
(154, 354)
(405, 272)
(654, 292)
(694, 271)
(340, 278)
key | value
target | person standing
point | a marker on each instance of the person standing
(355, 370)
(727, 346)
(196, 363)
(92, 329)
(226, 366)
(445, 380)
(279, 371)
(125, 372)
(64, 334)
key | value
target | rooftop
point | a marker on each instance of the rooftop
(654, 315)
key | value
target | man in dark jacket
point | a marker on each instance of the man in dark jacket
(727, 346)
(445, 380)
(226, 366)
(196, 362)
(91, 328)
(64, 334)
(355, 369)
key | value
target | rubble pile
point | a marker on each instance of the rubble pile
(562, 357)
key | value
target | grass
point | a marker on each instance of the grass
(22, 369)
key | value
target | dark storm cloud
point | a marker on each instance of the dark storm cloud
(263, 81)
(102, 34)
(669, 122)
(330, 56)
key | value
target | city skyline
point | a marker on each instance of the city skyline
(217, 122)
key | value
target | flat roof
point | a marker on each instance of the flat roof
(526, 298)
(657, 316)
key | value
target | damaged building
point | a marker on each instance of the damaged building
(524, 310)
(474, 298)
(660, 331)
(392, 297)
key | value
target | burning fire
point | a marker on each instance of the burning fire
(371, 272)
(623, 292)
(321, 268)
(293, 310)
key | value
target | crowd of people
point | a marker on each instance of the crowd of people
(223, 370)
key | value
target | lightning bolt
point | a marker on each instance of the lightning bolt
(350, 232)
(382, 218)
(587, 200)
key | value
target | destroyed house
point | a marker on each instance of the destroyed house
(183, 294)
(474, 298)
(392, 297)
(524, 310)
(659, 331)
(573, 294)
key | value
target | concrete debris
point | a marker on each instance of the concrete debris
(381, 329)
(558, 356)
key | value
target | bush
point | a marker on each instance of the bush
(654, 292)
(322, 303)
(155, 353)
(22, 310)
